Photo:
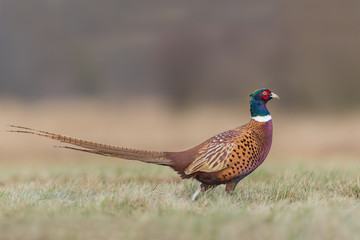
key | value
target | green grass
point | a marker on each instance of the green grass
(120, 200)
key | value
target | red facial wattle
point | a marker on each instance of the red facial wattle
(265, 95)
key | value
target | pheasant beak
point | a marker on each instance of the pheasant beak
(273, 95)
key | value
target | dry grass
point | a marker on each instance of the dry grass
(151, 125)
(308, 188)
(140, 201)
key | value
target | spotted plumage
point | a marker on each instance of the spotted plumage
(223, 159)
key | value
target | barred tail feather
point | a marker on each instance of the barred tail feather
(98, 148)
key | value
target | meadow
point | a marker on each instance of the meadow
(49, 193)
(140, 201)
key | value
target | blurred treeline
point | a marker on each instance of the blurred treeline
(307, 51)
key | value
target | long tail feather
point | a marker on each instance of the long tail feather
(98, 148)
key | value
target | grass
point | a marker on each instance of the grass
(314, 194)
(140, 201)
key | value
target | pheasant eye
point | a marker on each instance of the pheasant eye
(264, 93)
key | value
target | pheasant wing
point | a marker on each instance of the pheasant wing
(214, 156)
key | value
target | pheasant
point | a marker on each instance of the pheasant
(223, 159)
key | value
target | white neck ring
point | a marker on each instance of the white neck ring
(262, 118)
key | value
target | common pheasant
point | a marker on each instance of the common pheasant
(223, 159)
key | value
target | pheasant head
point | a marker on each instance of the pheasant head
(258, 100)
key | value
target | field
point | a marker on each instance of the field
(48, 193)
(138, 201)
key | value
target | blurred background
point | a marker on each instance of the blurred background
(167, 75)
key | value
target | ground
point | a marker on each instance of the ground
(140, 201)
(307, 188)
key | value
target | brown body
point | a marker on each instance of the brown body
(223, 159)
(227, 157)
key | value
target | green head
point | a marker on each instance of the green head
(258, 100)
